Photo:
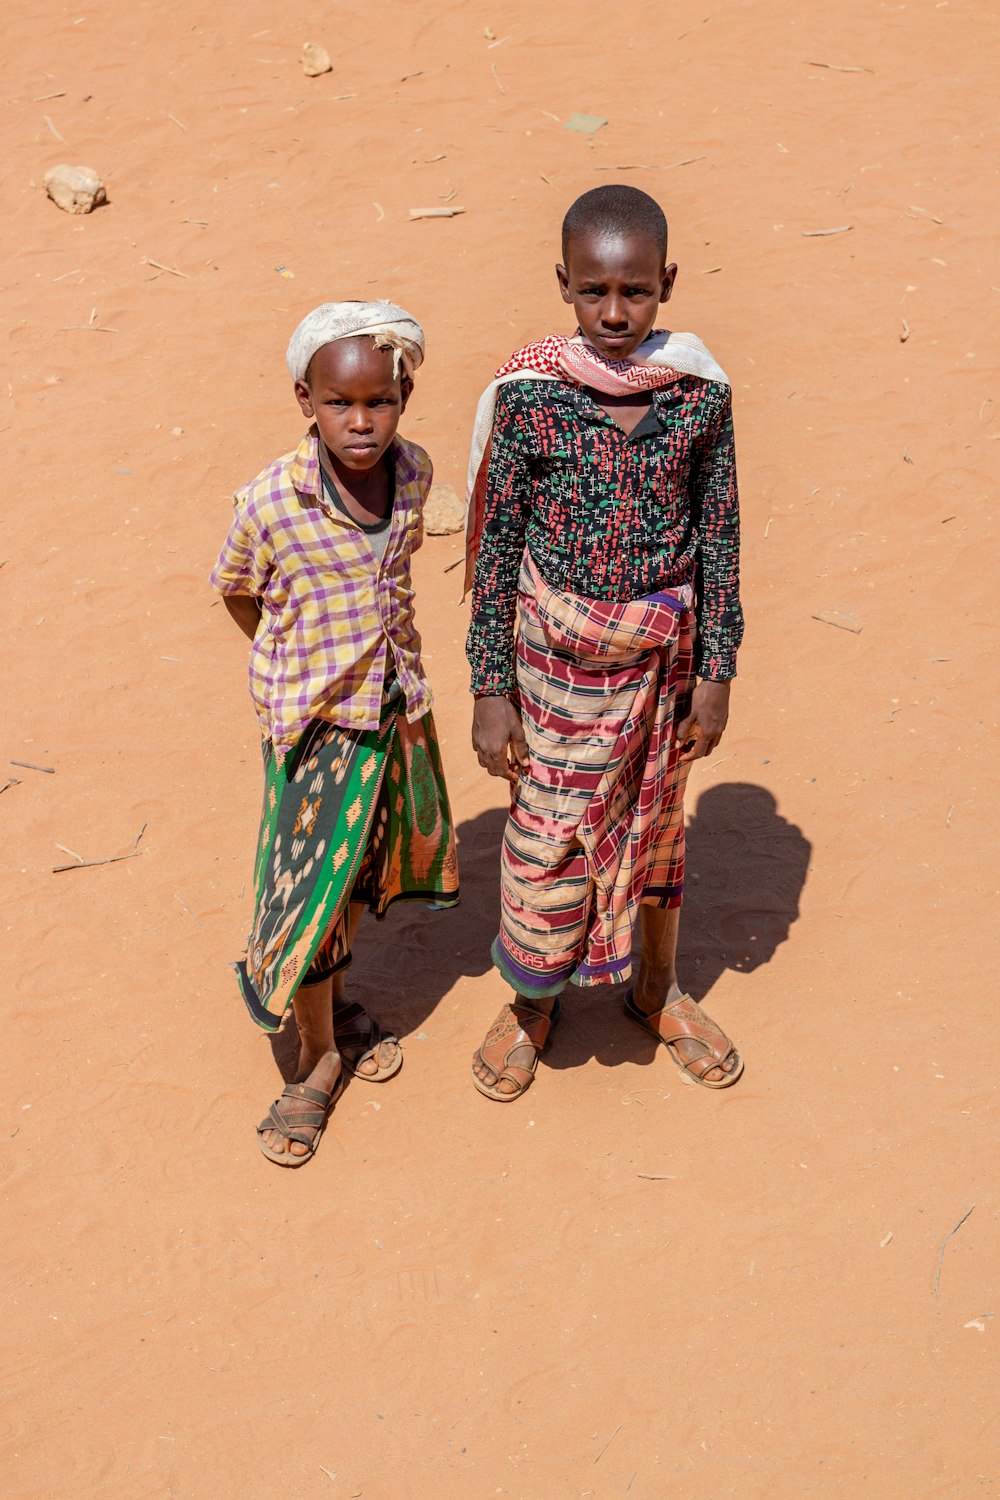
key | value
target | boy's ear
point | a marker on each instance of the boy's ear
(562, 276)
(303, 396)
(405, 391)
(667, 284)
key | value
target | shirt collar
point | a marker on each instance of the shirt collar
(304, 472)
(648, 425)
(307, 476)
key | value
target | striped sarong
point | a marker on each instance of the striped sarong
(597, 821)
(348, 816)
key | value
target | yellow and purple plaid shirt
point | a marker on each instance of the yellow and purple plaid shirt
(334, 621)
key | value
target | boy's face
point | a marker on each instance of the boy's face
(615, 283)
(355, 399)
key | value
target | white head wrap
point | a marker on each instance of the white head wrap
(390, 326)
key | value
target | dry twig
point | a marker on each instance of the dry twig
(838, 620)
(650, 166)
(436, 213)
(147, 260)
(607, 1445)
(111, 859)
(926, 213)
(837, 68)
(940, 1262)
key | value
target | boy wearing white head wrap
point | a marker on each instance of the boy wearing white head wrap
(388, 325)
(316, 572)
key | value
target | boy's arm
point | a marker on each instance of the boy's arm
(715, 508)
(241, 572)
(245, 610)
(497, 735)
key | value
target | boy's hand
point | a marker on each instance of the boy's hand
(703, 728)
(498, 738)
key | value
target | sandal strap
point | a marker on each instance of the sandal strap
(522, 1024)
(688, 1022)
(346, 1011)
(286, 1125)
(516, 1026)
(303, 1091)
(368, 1034)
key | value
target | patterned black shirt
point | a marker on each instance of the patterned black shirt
(609, 516)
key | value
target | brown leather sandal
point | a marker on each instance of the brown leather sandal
(517, 1025)
(313, 1112)
(684, 1020)
(353, 1027)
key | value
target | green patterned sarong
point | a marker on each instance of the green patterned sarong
(348, 816)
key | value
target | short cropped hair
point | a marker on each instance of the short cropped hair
(615, 209)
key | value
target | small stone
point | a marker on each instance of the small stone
(444, 512)
(78, 190)
(315, 60)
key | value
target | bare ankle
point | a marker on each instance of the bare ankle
(311, 1060)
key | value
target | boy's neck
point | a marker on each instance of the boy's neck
(366, 493)
(627, 411)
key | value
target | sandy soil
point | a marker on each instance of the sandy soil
(621, 1286)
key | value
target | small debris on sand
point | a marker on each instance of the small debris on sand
(838, 619)
(76, 190)
(436, 213)
(315, 60)
(585, 124)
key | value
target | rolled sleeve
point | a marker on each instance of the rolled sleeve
(242, 566)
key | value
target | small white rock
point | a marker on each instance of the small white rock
(78, 190)
(315, 60)
(444, 512)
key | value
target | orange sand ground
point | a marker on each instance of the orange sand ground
(454, 1299)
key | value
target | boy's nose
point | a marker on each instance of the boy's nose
(614, 315)
(360, 419)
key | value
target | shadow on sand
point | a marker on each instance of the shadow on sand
(746, 867)
(404, 965)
